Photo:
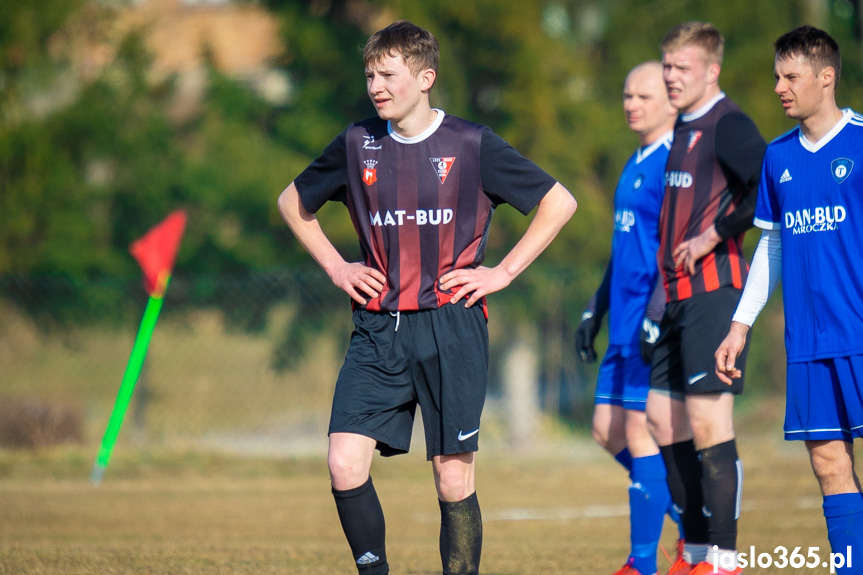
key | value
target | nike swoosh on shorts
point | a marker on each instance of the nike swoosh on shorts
(462, 436)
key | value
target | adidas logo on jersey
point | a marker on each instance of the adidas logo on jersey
(367, 558)
(786, 177)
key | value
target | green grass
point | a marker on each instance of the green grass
(559, 509)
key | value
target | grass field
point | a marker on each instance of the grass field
(559, 510)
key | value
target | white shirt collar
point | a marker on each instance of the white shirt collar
(825, 139)
(645, 151)
(703, 109)
(419, 137)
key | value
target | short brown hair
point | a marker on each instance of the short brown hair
(700, 34)
(816, 46)
(418, 47)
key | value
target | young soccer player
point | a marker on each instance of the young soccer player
(421, 187)
(711, 184)
(619, 423)
(810, 206)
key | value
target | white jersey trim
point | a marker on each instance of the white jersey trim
(663, 140)
(419, 137)
(766, 225)
(703, 109)
(847, 114)
(764, 275)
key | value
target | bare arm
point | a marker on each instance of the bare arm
(552, 212)
(763, 277)
(354, 278)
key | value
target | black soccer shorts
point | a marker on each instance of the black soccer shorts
(689, 335)
(435, 358)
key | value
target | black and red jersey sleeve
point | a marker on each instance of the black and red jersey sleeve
(740, 151)
(508, 177)
(325, 179)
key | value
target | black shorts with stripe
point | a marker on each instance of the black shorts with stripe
(691, 330)
(437, 359)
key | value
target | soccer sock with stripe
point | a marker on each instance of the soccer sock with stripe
(844, 515)
(684, 483)
(648, 501)
(722, 482)
(363, 522)
(460, 536)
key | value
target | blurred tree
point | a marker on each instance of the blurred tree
(90, 158)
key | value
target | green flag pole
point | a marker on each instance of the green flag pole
(130, 378)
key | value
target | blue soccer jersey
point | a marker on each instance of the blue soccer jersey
(813, 194)
(634, 268)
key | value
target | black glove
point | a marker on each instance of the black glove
(585, 333)
(648, 339)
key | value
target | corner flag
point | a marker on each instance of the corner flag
(155, 252)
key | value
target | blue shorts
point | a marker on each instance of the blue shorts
(824, 399)
(624, 378)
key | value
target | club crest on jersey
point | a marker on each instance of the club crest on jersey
(370, 174)
(638, 181)
(442, 167)
(694, 136)
(841, 169)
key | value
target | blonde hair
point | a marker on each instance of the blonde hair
(700, 34)
(418, 47)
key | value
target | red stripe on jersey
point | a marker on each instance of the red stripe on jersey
(684, 287)
(410, 270)
(709, 272)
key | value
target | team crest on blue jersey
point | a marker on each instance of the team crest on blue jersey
(841, 169)
(370, 174)
(638, 181)
(442, 167)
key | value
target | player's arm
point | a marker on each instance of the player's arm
(763, 277)
(553, 211)
(740, 151)
(354, 278)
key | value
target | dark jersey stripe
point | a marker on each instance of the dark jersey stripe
(421, 208)
(698, 192)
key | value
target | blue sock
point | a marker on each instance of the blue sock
(649, 499)
(844, 514)
(625, 459)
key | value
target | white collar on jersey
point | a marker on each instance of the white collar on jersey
(703, 109)
(847, 113)
(663, 140)
(419, 137)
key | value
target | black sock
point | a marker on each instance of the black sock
(722, 480)
(363, 523)
(460, 536)
(684, 482)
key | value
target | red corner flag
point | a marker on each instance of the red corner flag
(157, 250)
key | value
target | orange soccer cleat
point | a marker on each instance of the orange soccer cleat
(628, 569)
(680, 565)
(707, 568)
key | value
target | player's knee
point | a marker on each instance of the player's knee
(659, 429)
(453, 485)
(600, 435)
(831, 465)
(346, 472)
(637, 434)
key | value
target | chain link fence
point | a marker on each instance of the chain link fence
(247, 363)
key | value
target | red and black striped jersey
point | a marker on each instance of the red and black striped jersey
(421, 206)
(711, 178)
